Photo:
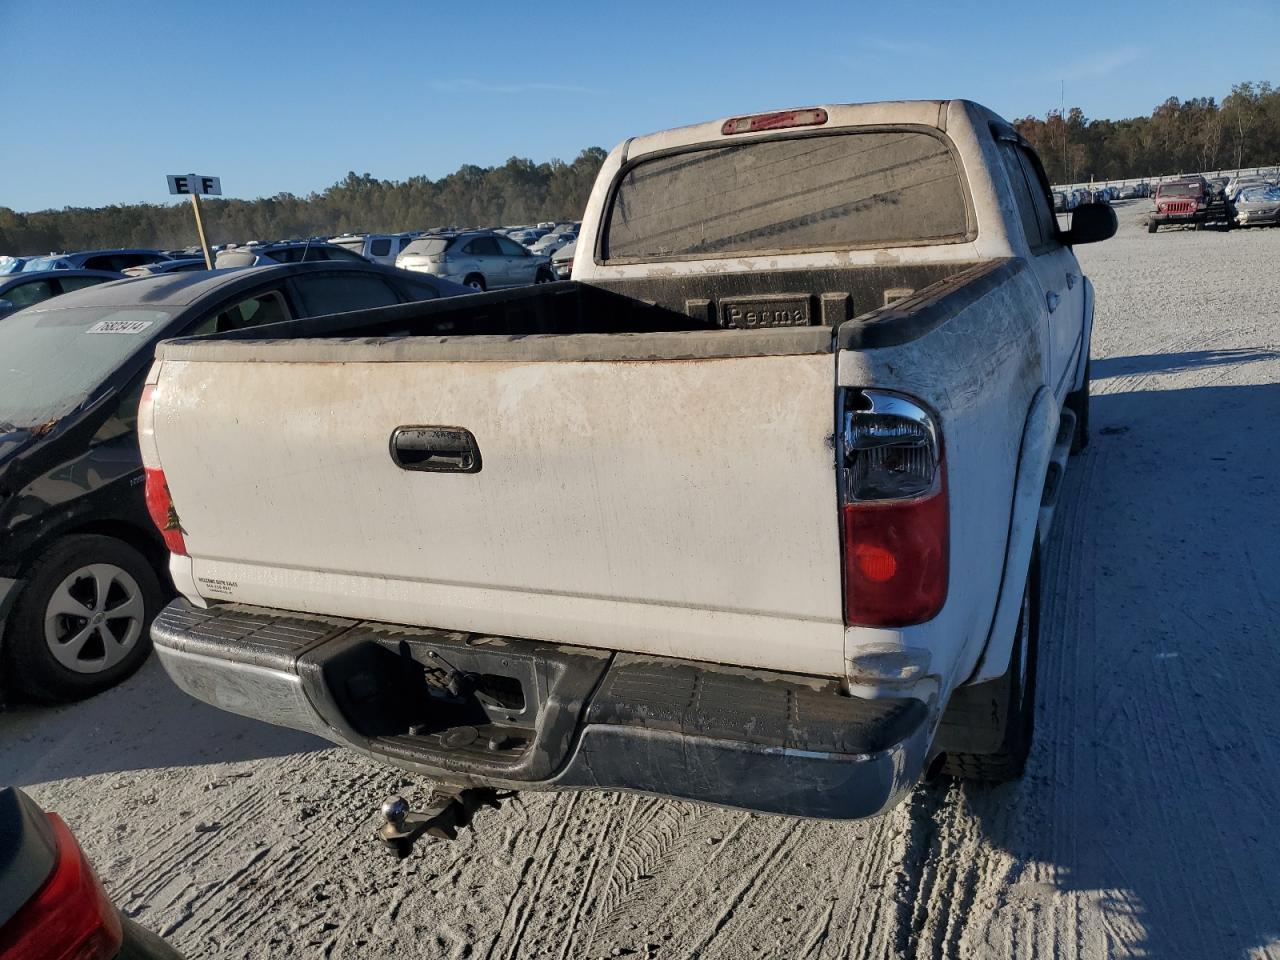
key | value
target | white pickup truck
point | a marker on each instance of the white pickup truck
(746, 512)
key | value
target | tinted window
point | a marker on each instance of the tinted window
(1039, 195)
(25, 294)
(252, 312)
(429, 246)
(118, 261)
(342, 292)
(484, 247)
(405, 241)
(419, 290)
(79, 283)
(1179, 190)
(510, 247)
(380, 248)
(334, 253)
(1022, 198)
(848, 190)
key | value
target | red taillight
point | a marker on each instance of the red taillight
(812, 117)
(894, 511)
(896, 561)
(70, 918)
(163, 515)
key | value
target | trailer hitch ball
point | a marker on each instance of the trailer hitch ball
(444, 815)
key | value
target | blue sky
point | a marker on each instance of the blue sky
(107, 97)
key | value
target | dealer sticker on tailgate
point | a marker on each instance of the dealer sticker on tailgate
(751, 313)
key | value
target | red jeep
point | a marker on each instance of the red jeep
(1185, 201)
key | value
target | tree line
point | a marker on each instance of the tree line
(1179, 136)
(519, 191)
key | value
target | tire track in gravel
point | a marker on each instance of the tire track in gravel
(602, 866)
(531, 900)
(194, 849)
(298, 858)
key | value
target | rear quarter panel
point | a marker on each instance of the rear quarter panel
(978, 371)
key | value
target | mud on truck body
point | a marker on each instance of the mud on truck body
(746, 512)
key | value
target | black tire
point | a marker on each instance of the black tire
(544, 276)
(34, 630)
(1011, 696)
(476, 282)
(1152, 226)
(1078, 403)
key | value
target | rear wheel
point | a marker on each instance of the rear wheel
(544, 276)
(475, 282)
(83, 621)
(1011, 696)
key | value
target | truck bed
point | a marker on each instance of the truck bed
(731, 301)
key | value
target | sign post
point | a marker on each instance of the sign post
(195, 185)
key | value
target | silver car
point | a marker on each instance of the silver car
(1258, 205)
(481, 259)
(562, 260)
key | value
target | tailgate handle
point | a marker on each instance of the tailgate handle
(435, 449)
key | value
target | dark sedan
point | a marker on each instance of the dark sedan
(82, 567)
(115, 260)
(21, 290)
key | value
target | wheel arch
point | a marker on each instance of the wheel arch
(136, 537)
(1038, 435)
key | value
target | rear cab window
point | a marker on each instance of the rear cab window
(846, 190)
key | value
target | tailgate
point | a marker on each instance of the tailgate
(680, 507)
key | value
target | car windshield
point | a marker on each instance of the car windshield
(865, 189)
(1180, 190)
(52, 360)
(41, 263)
(430, 245)
(1259, 193)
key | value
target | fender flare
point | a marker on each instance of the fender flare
(1086, 337)
(1038, 435)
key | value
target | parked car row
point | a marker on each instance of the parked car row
(1065, 201)
(1222, 202)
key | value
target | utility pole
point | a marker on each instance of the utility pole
(1062, 113)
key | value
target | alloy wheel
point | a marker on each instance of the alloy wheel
(94, 618)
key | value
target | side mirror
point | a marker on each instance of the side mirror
(6, 306)
(1091, 222)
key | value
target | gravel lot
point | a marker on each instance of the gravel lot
(1145, 827)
